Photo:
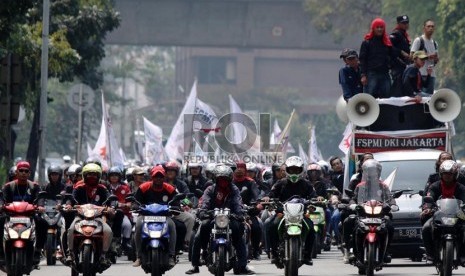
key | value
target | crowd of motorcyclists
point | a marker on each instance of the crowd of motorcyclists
(254, 196)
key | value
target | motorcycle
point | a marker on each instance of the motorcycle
(19, 238)
(371, 233)
(292, 232)
(447, 227)
(316, 213)
(53, 219)
(221, 255)
(88, 239)
(155, 235)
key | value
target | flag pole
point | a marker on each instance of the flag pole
(285, 130)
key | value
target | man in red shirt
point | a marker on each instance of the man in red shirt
(155, 191)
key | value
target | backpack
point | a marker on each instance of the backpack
(422, 45)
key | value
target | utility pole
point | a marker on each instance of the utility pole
(43, 90)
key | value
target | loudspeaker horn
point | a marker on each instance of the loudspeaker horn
(362, 109)
(445, 105)
(341, 109)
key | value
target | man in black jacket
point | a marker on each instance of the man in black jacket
(222, 194)
(401, 41)
(446, 187)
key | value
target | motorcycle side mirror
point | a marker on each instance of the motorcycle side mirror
(428, 199)
(394, 208)
(421, 192)
(42, 194)
(345, 200)
(110, 199)
(130, 198)
(397, 194)
(58, 197)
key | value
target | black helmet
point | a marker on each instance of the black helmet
(54, 169)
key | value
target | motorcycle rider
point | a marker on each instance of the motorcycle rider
(371, 172)
(210, 171)
(12, 173)
(446, 187)
(139, 177)
(222, 194)
(160, 192)
(22, 189)
(250, 194)
(195, 179)
(121, 223)
(293, 184)
(90, 191)
(186, 218)
(55, 185)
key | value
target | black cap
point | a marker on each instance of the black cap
(347, 53)
(402, 19)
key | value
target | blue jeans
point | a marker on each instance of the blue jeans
(379, 84)
(334, 224)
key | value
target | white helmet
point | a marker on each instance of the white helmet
(292, 162)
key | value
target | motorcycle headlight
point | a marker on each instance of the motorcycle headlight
(13, 234)
(373, 210)
(221, 221)
(26, 234)
(377, 210)
(294, 219)
(448, 221)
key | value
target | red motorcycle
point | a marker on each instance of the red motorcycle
(88, 239)
(371, 232)
(19, 238)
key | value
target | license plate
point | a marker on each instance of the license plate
(154, 219)
(221, 231)
(372, 220)
(409, 232)
(20, 220)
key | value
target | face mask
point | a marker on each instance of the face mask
(92, 180)
(223, 183)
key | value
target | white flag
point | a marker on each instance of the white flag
(114, 157)
(153, 152)
(303, 155)
(240, 132)
(106, 148)
(89, 150)
(314, 154)
(344, 146)
(174, 147)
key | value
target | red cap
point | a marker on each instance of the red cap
(157, 169)
(23, 165)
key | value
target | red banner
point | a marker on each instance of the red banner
(369, 142)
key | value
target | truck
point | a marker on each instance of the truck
(406, 136)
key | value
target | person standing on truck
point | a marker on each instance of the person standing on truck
(350, 74)
(426, 43)
(400, 40)
(376, 54)
(412, 80)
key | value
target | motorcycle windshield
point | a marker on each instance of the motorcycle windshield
(449, 206)
(371, 189)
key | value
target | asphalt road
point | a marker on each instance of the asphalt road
(328, 263)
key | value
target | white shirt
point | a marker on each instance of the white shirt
(429, 49)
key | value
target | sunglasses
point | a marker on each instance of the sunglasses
(23, 171)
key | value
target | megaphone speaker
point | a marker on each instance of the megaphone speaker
(341, 109)
(445, 105)
(362, 109)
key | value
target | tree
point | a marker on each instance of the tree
(77, 32)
